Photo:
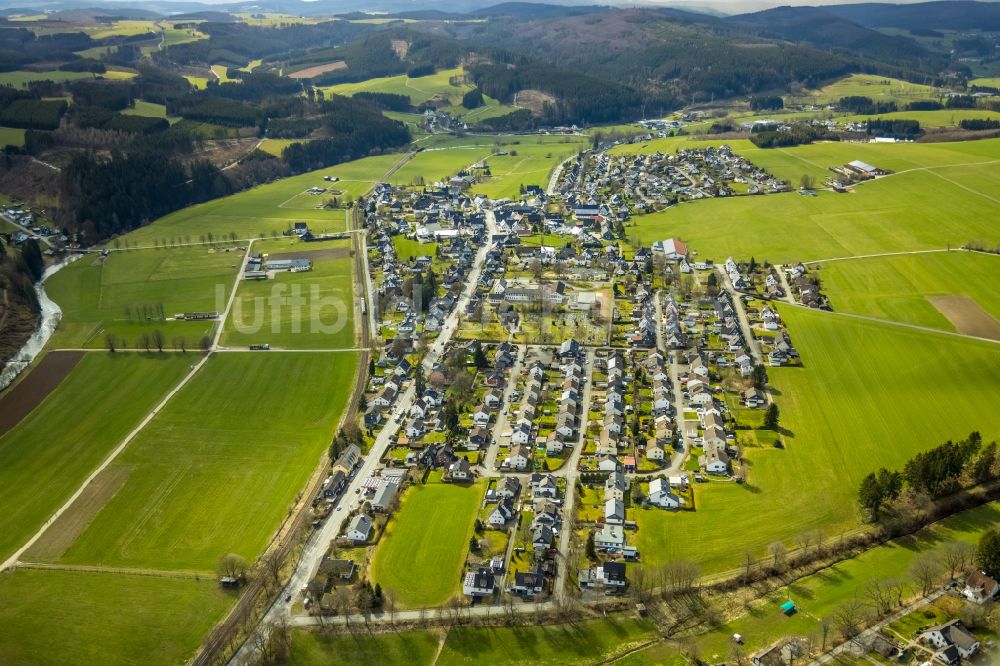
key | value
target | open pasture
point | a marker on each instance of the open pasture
(259, 211)
(869, 395)
(941, 194)
(11, 136)
(49, 453)
(107, 295)
(899, 287)
(878, 88)
(105, 618)
(420, 89)
(219, 467)
(532, 165)
(263, 312)
(421, 553)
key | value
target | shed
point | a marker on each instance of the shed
(788, 607)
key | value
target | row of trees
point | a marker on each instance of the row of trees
(154, 339)
(934, 473)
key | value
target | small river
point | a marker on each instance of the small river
(50, 316)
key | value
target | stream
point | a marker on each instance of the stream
(50, 316)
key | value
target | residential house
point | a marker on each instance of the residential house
(519, 457)
(502, 512)
(952, 640)
(479, 583)
(614, 512)
(528, 583)
(460, 470)
(359, 528)
(661, 495)
(980, 588)
(384, 496)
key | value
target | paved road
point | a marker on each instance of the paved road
(784, 284)
(490, 460)
(319, 542)
(571, 472)
(678, 458)
(25, 229)
(741, 314)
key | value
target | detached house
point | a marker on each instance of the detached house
(479, 583)
(980, 588)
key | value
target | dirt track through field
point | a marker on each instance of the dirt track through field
(28, 393)
(967, 316)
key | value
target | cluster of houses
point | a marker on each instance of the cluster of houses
(25, 217)
(645, 182)
(613, 432)
(660, 445)
(806, 288)
(673, 334)
(714, 438)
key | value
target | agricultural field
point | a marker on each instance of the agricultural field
(939, 118)
(940, 195)
(437, 164)
(149, 110)
(993, 82)
(839, 422)
(325, 319)
(878, 88)
(276, 146)
(117, 293)
(420, 89)
(10, 136)
(108, 395)
(532, 165)
(269, 209)
(903, 288)
(421, 553)
(20, 78)
(217, 470)
(138, 615)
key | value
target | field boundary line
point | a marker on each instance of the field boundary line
(13, 559)
(129, 571)
(902, 324)
(883, 254)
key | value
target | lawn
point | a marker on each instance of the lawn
(262, 210)
(898, 287)
(532, 165)
(404, 647)
(45, 458)
(11, 136)
(869, 395)
(61, 617)
(266, 310)
(421, 553)
(219, 467)
(588, 642)
(98, 295)
(917, 208)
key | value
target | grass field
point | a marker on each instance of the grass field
(587, 643)
(217, 470)
(437, 164)
(96, 293)
(897, 287)
(103, 618)
(10, 136)
(148, 109)
(404, 647)
(879, 88)
(420, 556)
(275, 146)
(20, 78)
(940, 118)
(896, 392)
(45, 458)
(532, 165)
(325, 320)
(993, 82)
(269, 209)
(420, 89)
(940, 195)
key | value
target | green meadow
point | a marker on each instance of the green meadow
(817, 596)
(897, 287)
(219, 467)
(532, 165)
(401, 647)
(879, 88)
(419, 89)
(939, 195)
(263, 310)
(100, 295)
(11, 136)
(421, 553)
(104, 618)
(869, 395)
(440, 163)
(270, 209)
(45, 458)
